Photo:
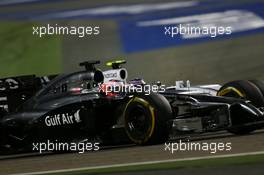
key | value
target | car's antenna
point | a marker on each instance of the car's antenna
(89, 65)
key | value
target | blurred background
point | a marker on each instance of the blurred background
(149, 53)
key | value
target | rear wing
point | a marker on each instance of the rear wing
(14, 91)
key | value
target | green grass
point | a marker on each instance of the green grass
(216, 162)
(23, 53)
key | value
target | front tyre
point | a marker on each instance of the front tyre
(245, 90)
(146, 118)
(259, 84)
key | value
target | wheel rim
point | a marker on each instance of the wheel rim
(138, 122)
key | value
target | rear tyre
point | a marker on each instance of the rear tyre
(245, 90)
(146, 118)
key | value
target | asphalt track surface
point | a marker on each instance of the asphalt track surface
(231, 170)
(36, 162)
(214, 61)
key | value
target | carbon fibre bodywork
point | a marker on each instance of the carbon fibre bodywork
(73, 107)
(198, 113)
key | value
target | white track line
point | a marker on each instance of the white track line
(11, 2)
(142, 163)
(120, 9)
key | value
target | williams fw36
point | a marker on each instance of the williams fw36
(75, 106)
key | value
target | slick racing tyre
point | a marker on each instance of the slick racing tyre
(259, 84)
(243, 89)
(146, 118)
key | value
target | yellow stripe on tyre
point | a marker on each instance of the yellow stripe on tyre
(230, 89)
(152, 112)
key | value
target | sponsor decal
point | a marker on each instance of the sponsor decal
(3, 103)
(111, 75)
(63, 119)
(8, 84)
